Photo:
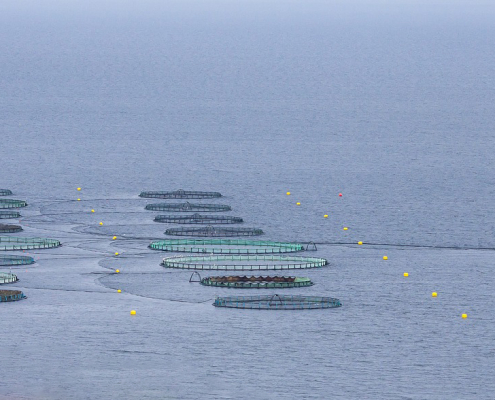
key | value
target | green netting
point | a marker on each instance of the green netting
(186, 207)
(229, 246)
(234, 262)
(198, 219)
(11, 295)
(256, 282)
(6, 277)
(181, 194)
(211, 231)
(16, 260)
(10, 203)
(9, 214)
(10, 228)
(277, 302)
(5, 192)
(17, 243)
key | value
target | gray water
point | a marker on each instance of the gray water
(389, 103)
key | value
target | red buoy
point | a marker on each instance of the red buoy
(340, 194)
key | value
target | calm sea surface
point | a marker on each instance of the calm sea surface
(389, 103)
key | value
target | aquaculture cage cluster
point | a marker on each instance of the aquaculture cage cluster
(6, 277)
(256, 282)
(11, 295)
(15, 260)
(225, 246)
(181, 194)
(188, 207)
(5, 192)
(211, 231)
(198, 219)
(9, 214)
(243, 262)
(17, 243)
(10, 228)
(10, 203)
(277, 302)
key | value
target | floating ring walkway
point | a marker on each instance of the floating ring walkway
(18, 243)
(229, 246)
(181, 194)
(5, 192)
(187, 207)
(10, 203)
(277, 302)
(10, 228)
(211, 231)
(256, 282)
(9, 214)
(9, 260)
(11, 295)
(198, 219)
(6, 277)
(210, 262)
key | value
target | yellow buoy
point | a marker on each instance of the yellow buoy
(360, 243)
(464, 316)
(116, 253)
(298, 204)
(92, 210)
(114, 238)
(119, 291)
(133, 312)
(79, 189)
(101, 223)
(78, 199)
(325, 216)
(117, 271)
(288, 193)
(385, 257)
(434, 294)
(345, 228)
(406, 274)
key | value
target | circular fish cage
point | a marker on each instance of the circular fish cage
(181, 194)
(256, 282)
(236, 262)
(225, 246)
(187, 207)
(11, 295)
(198, 219)
(9, 214)
(277, 302)
(10, 228)
(211, 231)
(17, 243)
(5, 192)
(6, 277)
(9, 260)
(10, 203)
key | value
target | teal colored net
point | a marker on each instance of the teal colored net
(256, 282)
(188, 207)
(10, 203)
(17, 243)
(5, 192)
(10, 260)
(198, 219)
(211, 231)
(11, 295)
(9, 214)
(6, 277)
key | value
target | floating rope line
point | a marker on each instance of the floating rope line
(10, 228)
(211, 231)
(181, 194)
(229, 246)
(17, 243)
(6, 277)
(198, 219)
(277, 302)
(187, 207)
(16, 260)
(5, 192)
(10, 203)
(229, 262)
(256, 282)
(9, 214)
